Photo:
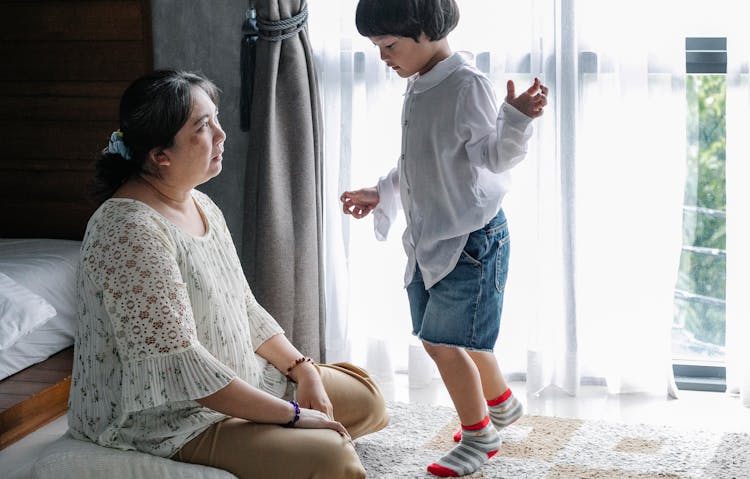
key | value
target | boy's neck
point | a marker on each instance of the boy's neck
(441, 51)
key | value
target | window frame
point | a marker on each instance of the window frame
(703, 55)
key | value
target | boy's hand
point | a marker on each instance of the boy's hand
(531, 102)
(359, 203)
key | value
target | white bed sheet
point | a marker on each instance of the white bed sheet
(46, 340)
(47, 267)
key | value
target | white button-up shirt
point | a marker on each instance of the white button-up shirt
(452, 174)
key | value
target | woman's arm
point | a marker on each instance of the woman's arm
(310, 391)
(239, 399)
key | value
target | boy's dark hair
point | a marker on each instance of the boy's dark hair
(407, 18)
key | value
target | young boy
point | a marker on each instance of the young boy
(451, 178)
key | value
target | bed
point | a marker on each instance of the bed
(38, 276)
(60, 97)
(37, 323)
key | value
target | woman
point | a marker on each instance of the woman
(173, 354)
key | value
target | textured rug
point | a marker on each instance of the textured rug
(538, 447)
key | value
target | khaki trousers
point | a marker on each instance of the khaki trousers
(269, 451)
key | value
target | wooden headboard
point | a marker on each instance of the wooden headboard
(64, 66)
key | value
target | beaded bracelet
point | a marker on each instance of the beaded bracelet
(296, 414)
(296, 363)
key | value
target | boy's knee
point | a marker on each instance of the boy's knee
(437, 352)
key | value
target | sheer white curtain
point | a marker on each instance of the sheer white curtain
(738, 210)
(595, 210)
(629, 184)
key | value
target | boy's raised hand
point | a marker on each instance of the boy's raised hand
(531, 102)
(361, 202)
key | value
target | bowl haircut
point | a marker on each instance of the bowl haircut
(407, 18)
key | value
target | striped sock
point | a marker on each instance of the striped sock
(504, 411)
(479, 443)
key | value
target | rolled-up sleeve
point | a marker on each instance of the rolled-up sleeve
(390, 202)
(496, 141)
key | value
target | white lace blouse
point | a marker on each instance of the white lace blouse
(164, 318)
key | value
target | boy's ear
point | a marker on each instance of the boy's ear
(158, 157)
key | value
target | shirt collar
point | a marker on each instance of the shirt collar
(421, 83)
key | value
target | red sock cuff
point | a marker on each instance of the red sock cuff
(502, 398)
(475, 427)
(441, 471)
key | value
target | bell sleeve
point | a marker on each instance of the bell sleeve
(262, 324)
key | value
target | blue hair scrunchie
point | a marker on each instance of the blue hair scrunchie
(117, 146)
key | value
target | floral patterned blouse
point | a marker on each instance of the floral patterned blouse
(165, 318)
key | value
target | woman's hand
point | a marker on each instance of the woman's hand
(531, 102)
(311, 393)
(314, 419)
(359, 203)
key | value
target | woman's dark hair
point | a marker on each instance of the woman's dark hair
(407, 18)
(152, 110)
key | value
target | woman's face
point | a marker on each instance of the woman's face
(195, 157)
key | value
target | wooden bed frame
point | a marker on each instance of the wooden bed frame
(34, 397)
(65, 65)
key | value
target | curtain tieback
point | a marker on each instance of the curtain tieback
(277, 30)
(254, 28)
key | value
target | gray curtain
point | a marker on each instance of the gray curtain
(282, 231)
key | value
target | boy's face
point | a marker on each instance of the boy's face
(406, 56)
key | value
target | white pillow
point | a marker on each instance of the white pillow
(20, 311)
(46, 266)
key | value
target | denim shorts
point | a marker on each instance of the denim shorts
(463, 309)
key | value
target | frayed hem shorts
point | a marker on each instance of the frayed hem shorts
(463, 309)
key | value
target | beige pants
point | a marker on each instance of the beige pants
(269, 451)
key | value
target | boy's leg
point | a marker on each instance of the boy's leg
(462, 311)
(480, 441)
(504, 407)
(461, 379)
(493, 383)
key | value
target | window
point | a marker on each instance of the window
(699, 328)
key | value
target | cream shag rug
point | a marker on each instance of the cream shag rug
(538, 447)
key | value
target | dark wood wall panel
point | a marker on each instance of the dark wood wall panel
(71, 61)
(50, 185)
(86, 89)
(65, 65)
(52, 140)
(68, 20)
(42, 108)
(48, 219)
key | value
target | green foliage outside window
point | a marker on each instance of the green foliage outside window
(703, 261)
